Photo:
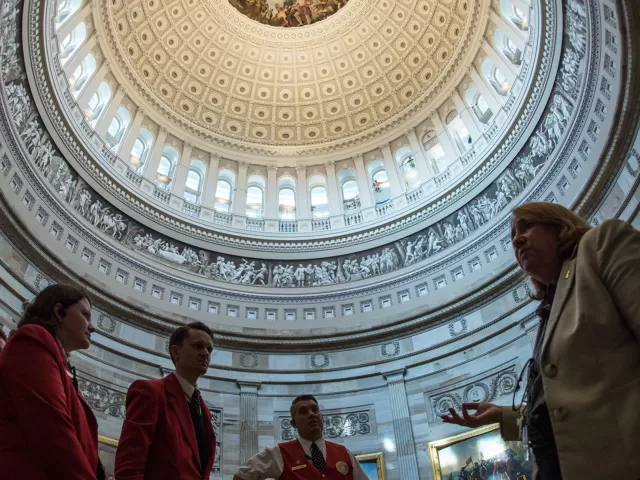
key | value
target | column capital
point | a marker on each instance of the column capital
(248, 387)
(383, 146)
(243, 164)
(140, 112)
(163, 129)
(394, 375)
(301, 169)
(188, 145)
(215, 156)
(331, 164)
(358, 157)
(272, 167)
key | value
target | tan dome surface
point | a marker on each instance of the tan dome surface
(355, 75)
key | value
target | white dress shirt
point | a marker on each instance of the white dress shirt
(268, 463)
(187, 388)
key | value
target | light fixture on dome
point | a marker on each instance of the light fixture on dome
(254, 206)
(525, 24)
(164, 179)
(505, 87)
(73, 85)
(89, 114)
(135, 161)
(223, 201)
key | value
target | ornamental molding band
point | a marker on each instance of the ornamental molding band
(345, 423)
(493, 387)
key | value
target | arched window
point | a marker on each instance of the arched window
(495, 78)
(98, 102)
(82, 74)
(318, 199)
(379, 181)
(70, 44)
(478, 105)
(141, 149)
(287, 198)
(408, 168)
(195, 181)
(434, 153)
(461, 136)
(224, 191)
(504, 44)
(166, 167)
(350, 194)
(255, 196)
(65, 10)
(117, 127)
(514, 15)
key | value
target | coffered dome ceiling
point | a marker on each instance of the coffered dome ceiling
(370, 67)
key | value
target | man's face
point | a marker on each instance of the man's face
(308, 420)
(194, 355)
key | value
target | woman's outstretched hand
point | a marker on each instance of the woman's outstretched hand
(485, 414)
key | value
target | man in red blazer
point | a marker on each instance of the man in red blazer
(168, 434)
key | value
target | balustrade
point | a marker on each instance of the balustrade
(222, 218)
(353, 219)
(320, 225)
(133, 177)
(415, 195)
(288, 226)
(161, 195)
(443, 177)
(255, 225)
(191, 209)
(383, 209)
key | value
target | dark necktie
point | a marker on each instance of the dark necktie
(195, 410)
(194, 404)
(316, 457)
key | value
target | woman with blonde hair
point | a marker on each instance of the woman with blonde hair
(47, 430)
(581, 408)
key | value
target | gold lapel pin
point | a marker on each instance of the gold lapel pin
(567, 275)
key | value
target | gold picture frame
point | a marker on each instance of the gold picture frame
(376, 458)
(465, 450)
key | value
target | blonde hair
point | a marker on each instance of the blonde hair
(570, 229)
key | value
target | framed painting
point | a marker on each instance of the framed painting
(480, 454)
(373, 465)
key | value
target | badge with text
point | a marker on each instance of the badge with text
(342, 467)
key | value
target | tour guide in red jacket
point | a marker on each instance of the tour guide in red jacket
(310, 457)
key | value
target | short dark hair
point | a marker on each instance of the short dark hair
(300, 398)
(41, 311)
(3, 335)
(180, 333)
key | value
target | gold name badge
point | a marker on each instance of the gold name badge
(304, 465)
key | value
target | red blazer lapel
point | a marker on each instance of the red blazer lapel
(178, 403)
(211, 435)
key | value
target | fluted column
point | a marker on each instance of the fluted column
(73, 21)
(152, 163)
(425, 170)
(180, 181)
(364, 184)
(402, 428)
(240, 197)
(392, 172)
(444, 137)
(126, 145)
(110, 112)
(302, 194)
(248, 419)
(470, 121)
(508, 69)
(271, 195)
(78, 56)
(517, 36)
(493, 98)
(211, 184)
(332, 190)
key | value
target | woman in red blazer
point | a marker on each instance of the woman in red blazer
(47, 430)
